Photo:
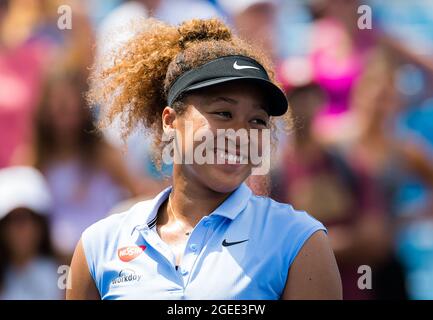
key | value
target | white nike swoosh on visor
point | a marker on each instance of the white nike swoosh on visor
(238, 67)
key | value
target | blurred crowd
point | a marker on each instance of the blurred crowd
(359, 157)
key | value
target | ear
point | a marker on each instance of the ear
(168, 119)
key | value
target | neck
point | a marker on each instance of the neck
(190, 200)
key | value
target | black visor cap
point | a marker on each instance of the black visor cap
(231, 69)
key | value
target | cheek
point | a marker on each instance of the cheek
(260, 143)
(200, 124)
(191, 129)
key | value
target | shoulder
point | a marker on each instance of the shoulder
(274, 212)
(281, 226)
(101, 238)
(115, 223)
(104, 227)
(314, 273)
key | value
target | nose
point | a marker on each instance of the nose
(237, 136)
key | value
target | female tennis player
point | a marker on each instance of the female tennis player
(207, 236)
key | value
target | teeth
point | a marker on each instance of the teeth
(230, 157)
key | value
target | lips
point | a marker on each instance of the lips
(129, 253)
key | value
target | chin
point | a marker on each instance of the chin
(225, 181)
(223, 187)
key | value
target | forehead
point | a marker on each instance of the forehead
(242, 92)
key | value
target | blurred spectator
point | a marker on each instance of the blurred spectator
(86, 175)
(402, 167)
(29, 41)
(317, 179)
(338, 52)
(21, 65)
(28, 269)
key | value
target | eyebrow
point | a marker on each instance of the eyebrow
(224, 99)
(235, 102)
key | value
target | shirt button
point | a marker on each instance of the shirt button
(193, 247)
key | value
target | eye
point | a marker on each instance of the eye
(224, 114)
(260, 122)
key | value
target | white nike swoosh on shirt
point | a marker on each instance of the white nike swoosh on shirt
(238, 67)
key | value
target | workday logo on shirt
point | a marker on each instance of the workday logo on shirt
(126, 276)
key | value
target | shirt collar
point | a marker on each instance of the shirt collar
(144, 213)
(235, 203)
(147, 210)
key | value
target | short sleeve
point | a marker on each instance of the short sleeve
(303, 228)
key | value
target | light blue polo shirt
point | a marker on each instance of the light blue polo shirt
(242, 250)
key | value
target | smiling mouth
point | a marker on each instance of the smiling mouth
(224, 157)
